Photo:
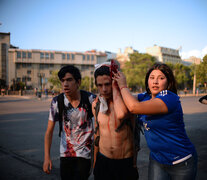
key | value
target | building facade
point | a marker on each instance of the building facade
(4, 46)
(123, 57)
(192, 60)
(34, 67)
(164, 55)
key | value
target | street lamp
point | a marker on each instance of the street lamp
(40, 75)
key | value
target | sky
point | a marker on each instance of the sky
(106, 25)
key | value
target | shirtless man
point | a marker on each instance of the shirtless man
(114, 155)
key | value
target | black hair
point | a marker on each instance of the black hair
(103, 70)
(165, 69)
(70, 69)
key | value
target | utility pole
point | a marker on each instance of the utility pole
(194, 79)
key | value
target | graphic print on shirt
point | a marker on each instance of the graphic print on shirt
(77, 129)
(77, 134)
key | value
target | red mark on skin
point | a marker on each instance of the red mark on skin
(115, 121)
(108, 123)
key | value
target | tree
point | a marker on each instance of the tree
(201, 72)
(182, 75)
(136, 69)
(54, 80)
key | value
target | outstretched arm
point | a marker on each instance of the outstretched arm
(153, 106)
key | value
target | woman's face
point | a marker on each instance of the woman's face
(157, 82)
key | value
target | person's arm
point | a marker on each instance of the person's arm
(96, 134)
(203, 99)
(120, 108)
(153, 106)
(47, 166)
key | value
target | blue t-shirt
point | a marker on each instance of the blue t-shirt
(165, 133)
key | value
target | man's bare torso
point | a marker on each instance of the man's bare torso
(114, 145)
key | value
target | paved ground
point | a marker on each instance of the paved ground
(23, 122)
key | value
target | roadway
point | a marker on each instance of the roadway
(23, 122)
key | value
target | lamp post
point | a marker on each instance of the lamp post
(194, 79)
(40, 75)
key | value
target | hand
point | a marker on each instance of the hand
(47, 166)
(115, 85)
(120, 79)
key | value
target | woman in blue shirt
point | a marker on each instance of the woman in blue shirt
(172, 155)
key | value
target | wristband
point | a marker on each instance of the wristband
(123, 87)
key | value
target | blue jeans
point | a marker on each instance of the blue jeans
(185, 170)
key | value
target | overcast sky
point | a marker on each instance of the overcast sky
(106, 25)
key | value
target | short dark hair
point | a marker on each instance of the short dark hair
(70, 69)
(165, 69)
(103, 70)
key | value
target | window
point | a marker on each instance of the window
(18, 54)
(42, 55)
(51, 56)
(47, 55)
(28, 78)
(18, 79)
(18, 66)
(63, 56)
(41, 66)
(24, 79)
(84, 57)
(51, 65)
(29, 54)
(73, 56)
(68, 56)
(24, 65)
(23, 54)
(28, 71)
(92, 57)
(88, 57)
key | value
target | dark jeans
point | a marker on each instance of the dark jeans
(74, 168)
(114, 169)
(185, 170)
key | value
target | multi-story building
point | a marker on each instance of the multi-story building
(4, 46)
(192, 60)
(34, 67)
(124, 57)
(164, 55)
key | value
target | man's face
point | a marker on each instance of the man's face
(104, 85)
(69, 84)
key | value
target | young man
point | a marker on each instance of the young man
(114, 154)
(76, 125)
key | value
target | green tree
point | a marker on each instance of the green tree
(54, 80)
(201, 71)
(135, 70)
(182, 75)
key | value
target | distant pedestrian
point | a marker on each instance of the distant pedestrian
(185, 91)
(3, 91)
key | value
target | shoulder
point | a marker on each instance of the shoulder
(143, 96)
(167, 94)
(90, 95)
(171, 99)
